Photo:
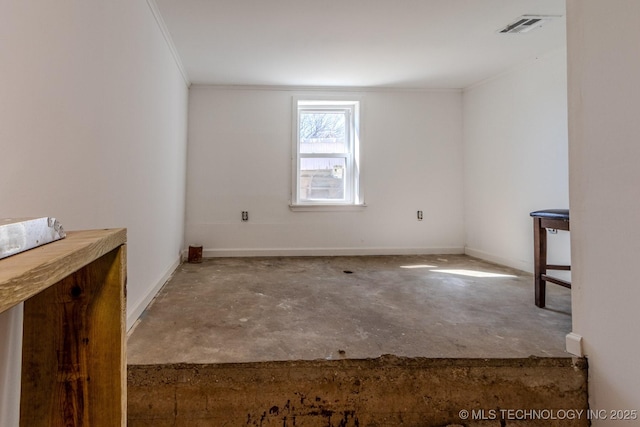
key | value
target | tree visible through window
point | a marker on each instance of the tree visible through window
(327, 141)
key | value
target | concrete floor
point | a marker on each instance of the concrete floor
(307, 308)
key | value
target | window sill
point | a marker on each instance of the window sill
(327, 208)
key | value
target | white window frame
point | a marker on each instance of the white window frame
(351, 106)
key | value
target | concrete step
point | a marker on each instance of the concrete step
(386, 391)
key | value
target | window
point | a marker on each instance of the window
(327, 148)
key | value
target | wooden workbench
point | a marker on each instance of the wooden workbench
(73, 353)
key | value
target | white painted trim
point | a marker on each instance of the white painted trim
(574, 344)
(337, 89)
(268, 252)
(328, 208)
(508, 262)
(136, 312)
(167, 37)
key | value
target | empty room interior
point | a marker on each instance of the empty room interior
(328, 204)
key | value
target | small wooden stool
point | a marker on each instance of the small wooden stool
(557, 219)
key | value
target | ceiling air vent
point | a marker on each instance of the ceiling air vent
(526, 23)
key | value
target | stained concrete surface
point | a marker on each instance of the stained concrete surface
(306, 308)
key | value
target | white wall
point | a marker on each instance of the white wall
(240, 159)
(604, 155)
(92, 131)
(516, 161)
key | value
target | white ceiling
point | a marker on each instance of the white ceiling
(356, 43)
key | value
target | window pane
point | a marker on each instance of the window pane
(323, 132)
(322, 178)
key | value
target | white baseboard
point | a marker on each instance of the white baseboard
(216, 253)
(574, 344)
(134, 314)
(10, 364)
(508, 262)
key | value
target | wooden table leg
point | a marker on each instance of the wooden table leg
(74, 361)
(540, 261)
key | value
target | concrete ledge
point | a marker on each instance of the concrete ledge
(386, 391)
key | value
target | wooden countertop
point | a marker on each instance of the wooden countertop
(26, 274)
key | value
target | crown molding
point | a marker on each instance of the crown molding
(337, 89)
(167, 37)
(516, 68)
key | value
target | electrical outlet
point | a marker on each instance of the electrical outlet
(419, 215)
(245, 216)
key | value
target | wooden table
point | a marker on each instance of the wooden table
(73, 353)
(557, 219)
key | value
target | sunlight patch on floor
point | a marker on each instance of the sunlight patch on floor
(473, 273)
(419, 266)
